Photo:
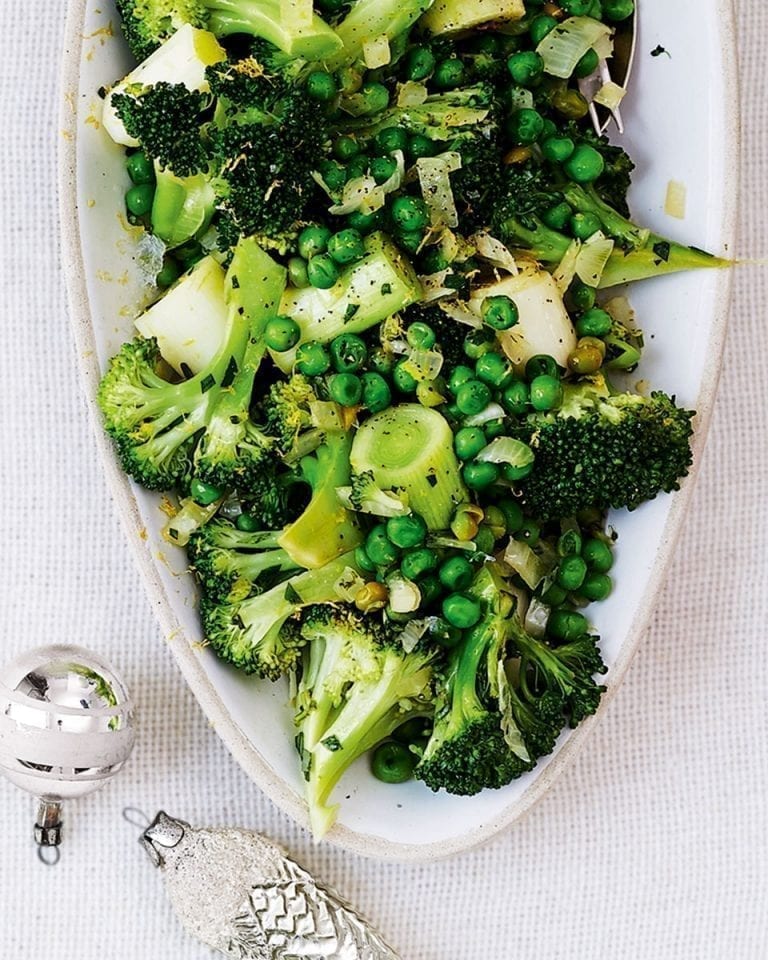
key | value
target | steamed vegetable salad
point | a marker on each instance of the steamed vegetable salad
(380, 369)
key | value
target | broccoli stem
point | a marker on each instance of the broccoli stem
(263, 18)
(451, 16)
(542, 243)
(648, 262)
(326, 529)
(409, 448)
(442, 116)
(370, 19)
(182, 208)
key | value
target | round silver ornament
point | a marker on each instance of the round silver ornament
(66, 728)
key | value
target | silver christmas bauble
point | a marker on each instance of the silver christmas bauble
(66, 723)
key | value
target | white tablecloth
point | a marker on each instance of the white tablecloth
(653, 846)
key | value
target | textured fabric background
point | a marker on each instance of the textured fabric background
(652, 847)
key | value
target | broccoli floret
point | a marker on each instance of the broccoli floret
(288, 415)
(275, 495)
(449, 332)
(231, 564)
(468, 750)
(556, 678)
(366, 496)
(604, 451)
(255, 635)
(167, 120)
(356, 686)
(614, 182)
(479, 182)
(526, 193)
(148, 23)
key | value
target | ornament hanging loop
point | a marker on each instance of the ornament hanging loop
(48, 825)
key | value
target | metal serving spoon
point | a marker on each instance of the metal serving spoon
(624, 43)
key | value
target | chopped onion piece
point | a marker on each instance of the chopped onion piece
(566, 44)
(623, 312)
(520, 98)
(674, 204)
(435, 180)
(189, 518)
(603, 47)
(325, 415)
(349, 584)
(507, 450)
(404, 595)
(424, 364)
(376, 53)
(364, 194)
(433, 286)
(526, 563)
(411, 94)
(593, 257)
(450, 543)
(536, 617)
(459, 311)
(566, 269)
(493, 411)
(413, 631)
(494, 251)
(610, 95)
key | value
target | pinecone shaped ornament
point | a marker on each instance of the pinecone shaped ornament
(239, 893)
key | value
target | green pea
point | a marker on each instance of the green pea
(459, 376)
(554, 596)
(420, 146)
(456, 573)
(494, 370)
(419, 64)
(581, 297)
(479, 476)
(587, 358)
(596, 587)
(485, 541)
(381, 361)
(297, 272)
(348, 353)
(322, 271)
(541, 365)
(364, 223)
(515, 398)
(333, 174)
(525, 68)
(594, 323)
(495, 428)
(444, 634)
(204, 493)
(598, 556)
(364, 561)
(433, 261)
(569, 543)
(312, 359)
(139, 199)
(571, 572)
(346, 389)
(140, 168)
(513, 514)
(500, 312)
(391, 139)
(588, 64)
(404, 381)
(357, 167)
(449, 74)
(373, 98)
(169, 274)
(376, 393)
(382, 168)
(379, 547)
(557, 217)
(525, 126)
(410, 240)
(557, 149)
(281, 334)
(478, 342)
(546, 393)
(461, 611)
(514, 472)
(528, 532)
(431, 590)
(540, 27)
(585, 164)
(617, 10)
(313, 241)
(393, 762)
(473, 397)
(416, 563)
(468, 442)
(345, 148)
(247, 523)
(570, 103)
(346, 246)
(188, 254)
(567, 625)
(321, 86)
(420, 336)
(406, 532)
(585, 225)
(410, 213)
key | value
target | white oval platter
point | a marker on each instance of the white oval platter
(682, 124)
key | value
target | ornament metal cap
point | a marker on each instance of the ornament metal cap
(66, 728)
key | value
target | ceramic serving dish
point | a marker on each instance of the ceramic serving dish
(682, 125)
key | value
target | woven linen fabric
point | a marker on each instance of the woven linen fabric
(653, 846)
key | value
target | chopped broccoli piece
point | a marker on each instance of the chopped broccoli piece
(604, 451)
(255, 635)
(288, 415)
(356, 686)
(231, 564)
(366, 496)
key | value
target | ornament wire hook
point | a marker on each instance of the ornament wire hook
(50, 856)
(136, 817)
